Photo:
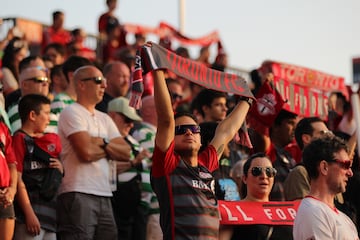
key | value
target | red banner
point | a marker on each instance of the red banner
(270, 213)
(166, 30)
(305, 90)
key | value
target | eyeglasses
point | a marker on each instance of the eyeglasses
(269, 171)
(39, 79)
(176, 96)
(97, 80)
(344, 164)
(182, 129)
(326, 132)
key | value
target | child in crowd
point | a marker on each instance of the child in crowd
(37, 157)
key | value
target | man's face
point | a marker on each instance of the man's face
(286, 131)
(89, 88)
(338, 172)
(35, 81)
(216, 111)
(42, 119)
(187, 142)
(176, 94)
(319, 130)
(118, 80)
(123, 123)
(55, 57)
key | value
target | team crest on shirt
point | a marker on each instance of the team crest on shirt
(205, 175)
(51, 147)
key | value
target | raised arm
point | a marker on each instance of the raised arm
(229, 126)
(166, 123)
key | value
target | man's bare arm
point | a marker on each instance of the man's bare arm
(166, 124)
(229, 126)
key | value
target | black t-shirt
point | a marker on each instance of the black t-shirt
(262, 232)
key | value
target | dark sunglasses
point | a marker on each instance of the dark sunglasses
(126, 119)
(97, 80)
(176, 96)
(39, 79)
(182, 129)
(269, 171)
(344, 164)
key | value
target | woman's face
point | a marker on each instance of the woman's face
(259, 180)
(21, 54)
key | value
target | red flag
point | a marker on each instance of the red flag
(264, 111)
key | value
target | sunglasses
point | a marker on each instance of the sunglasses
(97, 80)
(326, 132)
(344, 164)
(39, 79)
(269, 171)
(126, 119)
(176, 96)
(182, 129)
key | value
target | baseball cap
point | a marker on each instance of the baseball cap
(121, 105)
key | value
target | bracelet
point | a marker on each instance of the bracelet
(246, 99)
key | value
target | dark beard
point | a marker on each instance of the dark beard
(185, 152)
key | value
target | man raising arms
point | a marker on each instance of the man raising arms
(181, 177)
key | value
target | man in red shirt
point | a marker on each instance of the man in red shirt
(56, 32)
(181, 177)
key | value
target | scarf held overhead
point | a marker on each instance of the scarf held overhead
(156, 57)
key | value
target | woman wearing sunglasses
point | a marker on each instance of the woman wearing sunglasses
(258, 180)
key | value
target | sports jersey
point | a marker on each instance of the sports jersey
(188, 206)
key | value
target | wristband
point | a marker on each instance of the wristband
(246, 99)
(105, 143)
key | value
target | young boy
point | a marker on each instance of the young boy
(35, 213)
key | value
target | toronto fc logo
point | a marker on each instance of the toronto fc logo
(266, 104)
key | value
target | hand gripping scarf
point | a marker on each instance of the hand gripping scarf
(152, 57)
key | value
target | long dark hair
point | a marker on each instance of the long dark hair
(13, 47)
(246, 168)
